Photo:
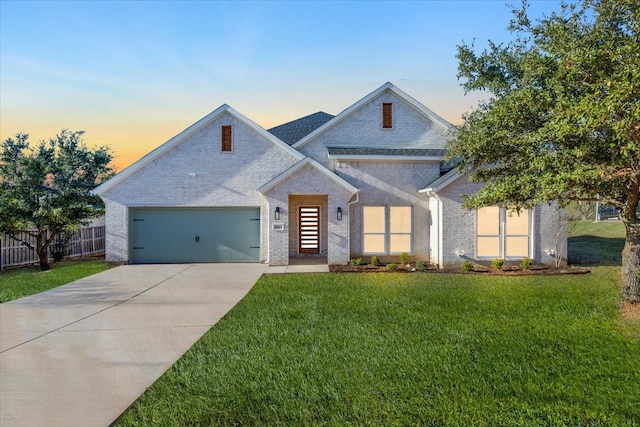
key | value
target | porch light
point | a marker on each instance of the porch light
(339, 215)
(277, 215)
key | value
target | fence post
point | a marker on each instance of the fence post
(81, 242)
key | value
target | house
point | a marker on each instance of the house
(369, 181)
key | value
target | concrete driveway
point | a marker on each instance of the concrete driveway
(80, 354)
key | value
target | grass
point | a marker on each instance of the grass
(22, 282)
(596, 243)
(410, 349)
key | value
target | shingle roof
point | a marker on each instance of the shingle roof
(295, 130)
(373, 151)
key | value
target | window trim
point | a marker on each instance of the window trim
(503, 236)
(223, 142)
(387, 230)
(377, 233)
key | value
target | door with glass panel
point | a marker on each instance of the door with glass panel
(309, 229)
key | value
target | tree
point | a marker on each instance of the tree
(47, 190)
(562, 122)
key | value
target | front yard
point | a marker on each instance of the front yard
(410, 349)
(21, 282)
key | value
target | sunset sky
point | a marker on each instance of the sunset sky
(134, 74)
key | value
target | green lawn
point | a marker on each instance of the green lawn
(596, 243)
(21, 282)
(410, 349)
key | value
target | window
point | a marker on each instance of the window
(226, 145)
(517, 234)
(399, 229)
(502, 234)
(387, 230)
(489, 232)
(373, 219)
(387, 115)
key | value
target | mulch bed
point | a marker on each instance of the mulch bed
(507, 270)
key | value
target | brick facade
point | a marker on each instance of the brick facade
(196, 173)
(459, 228)
(191, 170)
(309, 185)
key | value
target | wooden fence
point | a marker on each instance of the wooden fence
(86, 241)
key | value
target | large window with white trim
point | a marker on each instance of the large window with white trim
(503, 234)
(387, 229)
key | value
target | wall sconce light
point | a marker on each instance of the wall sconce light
(277, 215)
(339, 215)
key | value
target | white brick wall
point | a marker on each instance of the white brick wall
(309, 182)
(195, 173)
(384, 183)
(391, 184)
(219, 179)
(411, 129)
(459, 227)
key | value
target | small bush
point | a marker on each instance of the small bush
(355, 261)
(392, 266)
(420, 265)
(404, 257)
(497, 263)
(375, 261)
(467, 266)
(526, 263)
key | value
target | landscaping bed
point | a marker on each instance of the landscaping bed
(507, 270)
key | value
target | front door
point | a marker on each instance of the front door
(309, 229)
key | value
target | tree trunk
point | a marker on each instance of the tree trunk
(44, 261)
(631, 263)
(42, 249)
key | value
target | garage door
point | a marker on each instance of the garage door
(185, 235)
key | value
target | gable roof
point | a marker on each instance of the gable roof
(298, 166)
(167, 146)
(293, 131)
(385, 87)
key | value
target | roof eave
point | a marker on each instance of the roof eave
(295, 168)
(387, 86)
(440, 183)
(171, 143)
(383, 157)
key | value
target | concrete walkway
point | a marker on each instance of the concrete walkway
(303, 264)
(80, 354)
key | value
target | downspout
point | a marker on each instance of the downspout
(436, 227)
(349, 225)
(532, 233)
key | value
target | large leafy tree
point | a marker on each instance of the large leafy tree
(562, 119)
(46, 190)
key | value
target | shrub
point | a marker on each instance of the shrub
(375, 261)
(404, 257)
(526, 263)
(392, 266)
(355, 261)
(497, 263)
(420, 265)
(467, 266)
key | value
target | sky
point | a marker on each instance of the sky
(132, 74)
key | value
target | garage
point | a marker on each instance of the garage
(192, 235)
